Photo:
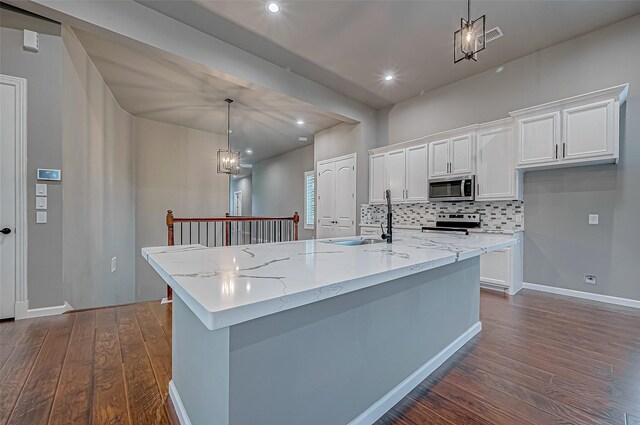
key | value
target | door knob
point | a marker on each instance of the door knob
(5, 231)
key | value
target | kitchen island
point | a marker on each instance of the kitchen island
(314, 332)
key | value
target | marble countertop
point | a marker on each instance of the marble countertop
(225, 286)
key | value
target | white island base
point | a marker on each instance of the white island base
(342, 360)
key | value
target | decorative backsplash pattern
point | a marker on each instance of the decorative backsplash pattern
(496, 216)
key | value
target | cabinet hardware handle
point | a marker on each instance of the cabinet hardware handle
(563, 149)
(478, 189)
(556, 151)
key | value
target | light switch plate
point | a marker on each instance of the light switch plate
(41, 202)
(41, 217)
(593, 218)
(41, 189)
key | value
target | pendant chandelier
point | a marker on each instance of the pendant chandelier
(228, 160)
(470, 38)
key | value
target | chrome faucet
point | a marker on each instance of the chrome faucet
(388, 234)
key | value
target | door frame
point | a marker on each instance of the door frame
(237, 206)
(354, 187)
(21, 301)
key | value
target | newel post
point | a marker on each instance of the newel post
(296, 220)
(170, 228)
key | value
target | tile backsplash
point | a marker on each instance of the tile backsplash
(495, 215)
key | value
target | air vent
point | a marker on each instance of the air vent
(492, 34)
(303, 139)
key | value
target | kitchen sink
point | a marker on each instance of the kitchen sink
(355, 242)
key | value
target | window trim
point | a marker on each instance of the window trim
(311, 226)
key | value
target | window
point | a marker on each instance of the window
(309, 199)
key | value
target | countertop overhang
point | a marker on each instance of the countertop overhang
(225, 286)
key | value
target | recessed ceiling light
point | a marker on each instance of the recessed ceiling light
(500, 69)
(388, 77)
(273, 7)
(249, 151)
(300, 122)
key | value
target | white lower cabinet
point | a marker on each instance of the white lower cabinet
(502, 269)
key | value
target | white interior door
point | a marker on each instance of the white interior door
(345, 198)
(439, 158)
(326, 199)
(237, 203)
(8, 132)
(395, 170)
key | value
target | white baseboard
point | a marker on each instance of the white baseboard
(382, 406)
(181, 412)
(165, 300)
(22, 310)
(584, 295)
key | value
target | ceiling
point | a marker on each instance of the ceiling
(151, 85)
(358, 42)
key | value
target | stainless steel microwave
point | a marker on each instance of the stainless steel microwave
(452, 189)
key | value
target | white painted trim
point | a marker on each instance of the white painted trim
(340, 158)
(181, 412)
(20, 85)
(24, 312)
(389, 400)
(584, 295)
(166, 300)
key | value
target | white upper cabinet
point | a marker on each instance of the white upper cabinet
(451, 157)
(496, 175)
(581, 130)
(377, 184)
(395, 170)
(439, 158)
(402, 171)
(416, 176)
(538, 139)
(588, 130)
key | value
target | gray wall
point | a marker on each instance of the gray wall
(44, 146)
(242, 184)
(278, 185)
(560, 247)
(175, 170)
(99, 186)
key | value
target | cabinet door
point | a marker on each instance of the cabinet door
(538, 139)
(495, 267)
(395, 172)
(417, 173)
(376, 178)
(439, 158)
(496, 173)
(461, 155)
(326, 199)
(588, 130)
(345, 204)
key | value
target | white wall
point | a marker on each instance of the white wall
(560, 247)
(175, 170)
(242, 184)
(98, 191)
(278, 186)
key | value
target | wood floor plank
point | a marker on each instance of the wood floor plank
(72, 403)
(34, 403)
(145, 402)
(109, 401)
(16, 369)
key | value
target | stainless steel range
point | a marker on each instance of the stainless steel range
(459, 222)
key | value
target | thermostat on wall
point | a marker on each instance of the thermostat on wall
(47, 174)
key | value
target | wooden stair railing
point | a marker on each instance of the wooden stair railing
(230, 230)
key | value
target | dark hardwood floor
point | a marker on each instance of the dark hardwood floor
(540, 359)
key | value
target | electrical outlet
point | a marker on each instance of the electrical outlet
(590, 279)
(114, 264)
(593, 218)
